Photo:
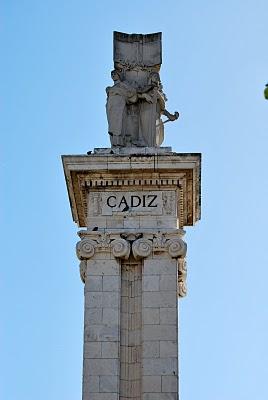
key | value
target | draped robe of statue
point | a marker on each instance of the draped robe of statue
(135, 102)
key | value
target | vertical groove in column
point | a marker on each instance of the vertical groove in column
(130, 330)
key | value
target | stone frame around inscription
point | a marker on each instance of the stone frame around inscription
(109, 202)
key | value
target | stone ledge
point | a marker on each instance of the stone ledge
(132, 150)
(171, 171)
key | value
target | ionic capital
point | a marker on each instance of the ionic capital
(142, 248)
(85, 249)
(120, 248)
(176, 247)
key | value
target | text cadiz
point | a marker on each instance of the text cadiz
(145, 200)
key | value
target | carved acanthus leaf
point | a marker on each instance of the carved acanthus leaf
(182, 273)
(104, 240)
(83, 270)
(159, 241)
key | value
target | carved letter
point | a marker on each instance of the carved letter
(132, 201)
(154, 196)
(143, 200)
(123, 201)
(108, 201)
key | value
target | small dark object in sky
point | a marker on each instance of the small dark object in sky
(266, 91)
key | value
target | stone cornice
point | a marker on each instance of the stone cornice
(170, 171)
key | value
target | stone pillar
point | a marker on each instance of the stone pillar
(132, 262)
(101, 273)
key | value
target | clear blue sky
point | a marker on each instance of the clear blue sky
(56, 58)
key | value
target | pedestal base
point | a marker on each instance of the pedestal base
(133, 204)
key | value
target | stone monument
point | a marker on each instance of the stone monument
(133, 201)
(136, 101)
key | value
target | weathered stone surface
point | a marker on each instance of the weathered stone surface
(94, 284)
(160, 299)
(167, 282)
(160, 396)
(102, 299)
(160, 332)
(168, 348)
(109, 349)
(131, 308)
(99, 333)
(91, 384)
(160, 366)
(151, 349)
(152, 384)
(170, 384)
(111, 283)
(156, 267)
(110, 316)
(109, 384)
(101, 367)
(93, 316)
(92, 350)
(103, 396)
(168, 316)
(151, 316)
(151, 283)
(103, 267)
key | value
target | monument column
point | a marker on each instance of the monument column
(132, 205)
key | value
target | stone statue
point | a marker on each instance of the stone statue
(136, 101)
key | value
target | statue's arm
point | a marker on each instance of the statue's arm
(171, 117)
(145, 89)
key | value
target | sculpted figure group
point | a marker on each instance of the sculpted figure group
(136, 101)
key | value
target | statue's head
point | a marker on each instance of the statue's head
(115, 75)
(155, 79)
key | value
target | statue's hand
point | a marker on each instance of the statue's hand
(171, 117)
(147, 97)
(176, 115)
